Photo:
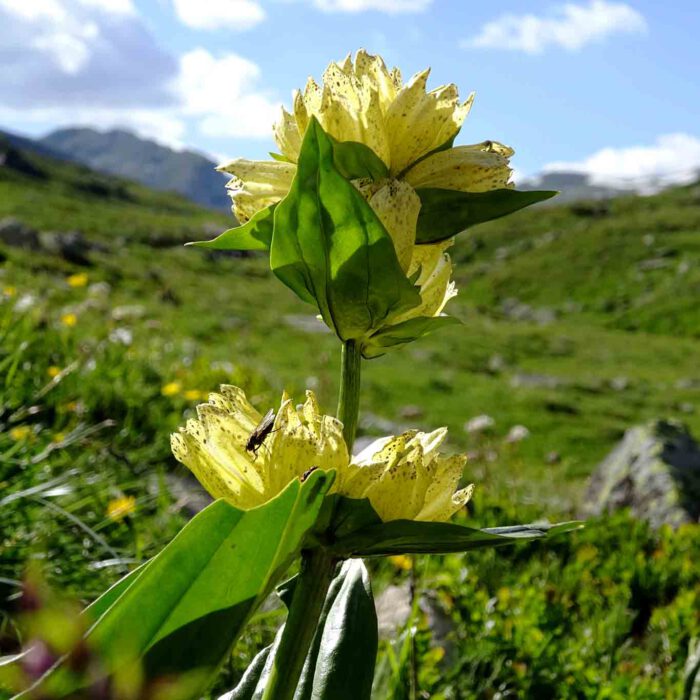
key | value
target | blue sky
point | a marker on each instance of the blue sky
(605, 87)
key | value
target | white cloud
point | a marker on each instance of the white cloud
(163, 126)
(672, 159)
(117, 7)
(92, 52)
(570, 27)
(223, 93)
(94, 62)
(391, 7)
(219, 14)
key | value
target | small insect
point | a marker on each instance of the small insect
(261, 431)
(307, 474)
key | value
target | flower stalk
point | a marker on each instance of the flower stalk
(317, 568)
(349, 396)
(315, 576)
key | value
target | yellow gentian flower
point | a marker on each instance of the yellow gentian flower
(404, 477)
(404, 124)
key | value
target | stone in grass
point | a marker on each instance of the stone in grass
(654, 471)
(14, 233)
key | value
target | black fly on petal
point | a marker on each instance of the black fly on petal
(261, 431)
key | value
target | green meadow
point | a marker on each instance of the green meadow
(579, 321)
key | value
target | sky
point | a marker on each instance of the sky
(601, 87)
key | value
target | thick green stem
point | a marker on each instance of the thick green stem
(349, 397)
(309, 596)
(317, 567)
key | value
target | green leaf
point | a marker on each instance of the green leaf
(355, 160)
(691, 685)
(206, 583)
(404, 332)
(249, 687)
(372, 537)
(100, 606)
(329, 246)
(340, 663)
(254, 235)
(445, 213)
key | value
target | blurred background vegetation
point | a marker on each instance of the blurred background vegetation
(580, 320)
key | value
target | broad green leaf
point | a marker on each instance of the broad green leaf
(100, 606)
(404, 332)
(249, 687)
(445, 213)
(691, 685)
(340, 663)
(355, 160)
(329, 246)
(254, 235)
(369, 536)
(206, 583)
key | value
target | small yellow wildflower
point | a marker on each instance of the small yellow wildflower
(58, 438)
(20, 433)
(69, 320)
(401, 561)
(121, 507)
(404, 477)
(194, 395)
(171, 389)
(72, 406)
(80, 279)
(53, 371)
(9, 291)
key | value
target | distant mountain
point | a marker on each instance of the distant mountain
(572, 187)
(122, 153)
(27, 144)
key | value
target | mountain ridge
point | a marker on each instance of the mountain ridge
(120, 152)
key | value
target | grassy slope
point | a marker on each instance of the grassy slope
(197, 320)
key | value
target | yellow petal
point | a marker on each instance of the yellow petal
(350, 110)
(417, 122)
(434, 277)
(406, 477)
(476, 168)
(287, 136)
(301, 114)
(301, 439)
(213, 448)
(257, 184)
(374, 69)
(397, 206)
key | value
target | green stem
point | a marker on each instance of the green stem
(315, 576)
(317, 567)
(349, 397)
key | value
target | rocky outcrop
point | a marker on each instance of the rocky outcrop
(654, 471)
(14, 233)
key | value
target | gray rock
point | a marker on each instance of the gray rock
(394, 606)
(71, 246)
(535, 381)
(654, 471)
(14, 233)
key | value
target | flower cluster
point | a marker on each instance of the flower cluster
(404, 476)
(411, 130)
